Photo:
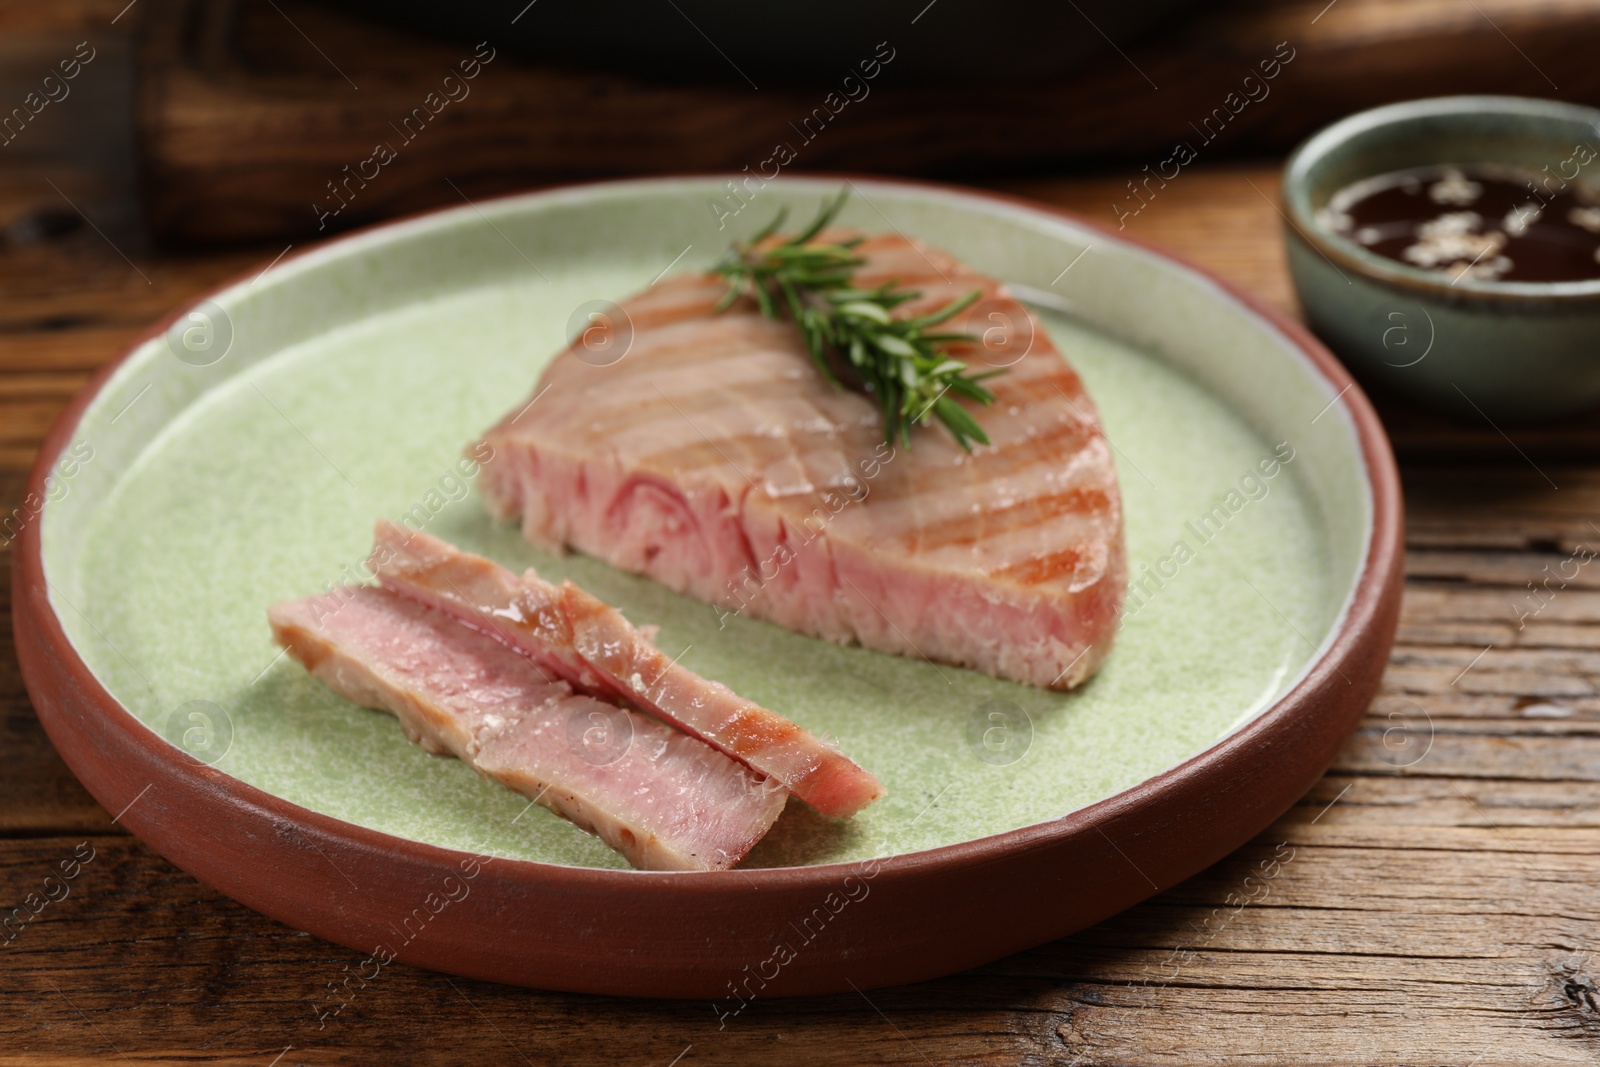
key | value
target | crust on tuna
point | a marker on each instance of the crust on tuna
(663, 799)
(581, 639)
(714, 458)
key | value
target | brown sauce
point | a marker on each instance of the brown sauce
(1483, 222)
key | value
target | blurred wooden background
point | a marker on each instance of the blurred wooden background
(243, 124)
(246, 110)
(1438, 906)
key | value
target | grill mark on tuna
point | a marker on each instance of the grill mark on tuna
(1035, 511)
(696, 415)
(1043, 447)
(1024, 390)
(1044, 568)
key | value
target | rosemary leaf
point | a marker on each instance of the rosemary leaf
(898, 362)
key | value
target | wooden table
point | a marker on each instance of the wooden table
(1432, 899)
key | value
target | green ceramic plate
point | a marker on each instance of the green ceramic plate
(242, 458)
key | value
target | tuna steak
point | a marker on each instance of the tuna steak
(663, 799)
(589, 644)
(715, 458)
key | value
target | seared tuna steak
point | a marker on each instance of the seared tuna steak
(715, 457)
(577, 637)
(663, 799)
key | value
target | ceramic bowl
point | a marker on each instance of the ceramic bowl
(1507, 351)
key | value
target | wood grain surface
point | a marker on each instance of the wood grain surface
(251, 111)
(1430, 901)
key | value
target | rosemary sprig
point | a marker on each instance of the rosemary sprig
(895, 360)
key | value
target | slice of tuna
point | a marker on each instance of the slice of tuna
(664, 800)
(715, 458)
(579, 638)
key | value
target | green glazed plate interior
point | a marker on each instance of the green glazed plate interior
(343, 385)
